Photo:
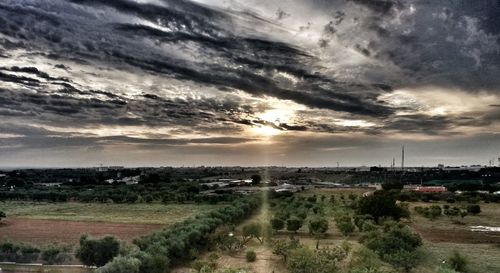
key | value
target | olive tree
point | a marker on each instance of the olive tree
(252, 230)
(97, 252)
(277, 224)
(294, 224)
(318, 227)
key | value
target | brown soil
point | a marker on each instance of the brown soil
(49, 231)
(462, 236)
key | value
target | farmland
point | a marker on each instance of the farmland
(441, 236)
(140, 213)
(189, 227)
(43, 223)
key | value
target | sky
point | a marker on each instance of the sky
(249, 82)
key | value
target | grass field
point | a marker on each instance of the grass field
(44, 223)
(164, 214)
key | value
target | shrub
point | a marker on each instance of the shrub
(431, 212)
(312, 199)
(148, 198)
(474, 209)
(304, 260)
(11, 252)
(294, 224)
(395, 244)
(251, 256)
(365, 260)
(453, 211)
(368, 226)
(55, 254)
(344, 224)
(202, 266)
(277, 224)
(283, 248)
(121, 265)
(457, 261)
(359, 220)
(403, 259)
(97, 252)
(381, 204)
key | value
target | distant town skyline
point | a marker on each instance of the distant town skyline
(249, 83)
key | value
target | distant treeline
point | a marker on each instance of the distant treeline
(146, 193)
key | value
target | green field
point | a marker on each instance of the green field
(156, 213)
(440, 237)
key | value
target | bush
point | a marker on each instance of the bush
(277, 224)
(365, 260)
(97, 252)
(457, 261)
(395, 244)
(379, 205)
(474, 209)
(403, 259)
(294, 224)
(431, 212)
(121, 265)
(202, 266)
(148, 198)
(55, 254)
(304, 260)
(11, 252)
(359, 220)
(368, 226)
(251, 256)
(283, 248)
(344, 224)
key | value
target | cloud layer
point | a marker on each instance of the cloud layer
(204, 77)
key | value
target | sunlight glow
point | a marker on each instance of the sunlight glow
(273, 116)
(266, 131)
(277, 116)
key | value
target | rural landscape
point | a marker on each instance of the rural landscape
(263, 219)
(250, 136)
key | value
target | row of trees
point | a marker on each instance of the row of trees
(25, 253)
(435, 211)
(166, 193)
(155, 253)
(450, 197)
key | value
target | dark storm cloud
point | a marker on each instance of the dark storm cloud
(441, 43)
(379, 6)
(400, 43)
(209, 29)
(59, 142)
(71, 105)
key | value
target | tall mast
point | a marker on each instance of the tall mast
(403, 157)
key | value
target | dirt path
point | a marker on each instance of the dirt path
(48, 231)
